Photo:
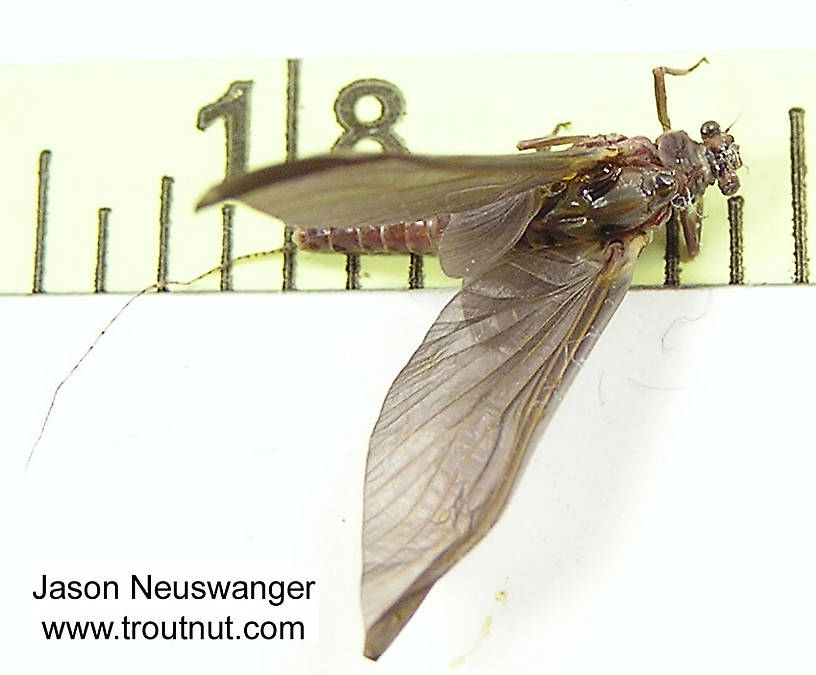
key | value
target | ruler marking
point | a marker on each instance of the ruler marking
(416, 276)
(352, 272)
(801, 272)
(165, 199)
(227, 213)
(103, 216)
(735, 229)
(292, 100)
(43, 174)
(672, 268)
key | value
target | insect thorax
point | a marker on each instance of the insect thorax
(632, 192)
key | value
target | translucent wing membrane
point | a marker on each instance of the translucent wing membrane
(456, 423)
(474, 240)
(353, 190)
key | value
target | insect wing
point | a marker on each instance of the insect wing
(454, 428)
(356, 190)
(474, 240)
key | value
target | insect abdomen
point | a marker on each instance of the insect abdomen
(420, 236)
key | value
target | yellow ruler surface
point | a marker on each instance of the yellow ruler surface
(103, 163)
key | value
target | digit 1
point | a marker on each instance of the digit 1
(233, 106)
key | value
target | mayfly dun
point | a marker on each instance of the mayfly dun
(545, 242)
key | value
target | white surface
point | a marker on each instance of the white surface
(663, 525)
(95, 29)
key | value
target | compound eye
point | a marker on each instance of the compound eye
(709, 129)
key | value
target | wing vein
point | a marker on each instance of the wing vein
(502, 365)
(537, 338)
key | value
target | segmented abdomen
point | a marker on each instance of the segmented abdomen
(420, 236)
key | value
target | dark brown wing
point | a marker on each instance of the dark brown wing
(354, 190)
(456, 423)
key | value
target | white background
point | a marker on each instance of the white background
(663, 525)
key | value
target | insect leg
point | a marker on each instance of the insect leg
(560, 127)
(692, 223)
(551, 139)
(660, 89)
(546, 142)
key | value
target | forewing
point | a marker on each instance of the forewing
(475, 240)
(455, 425)
(354, 190)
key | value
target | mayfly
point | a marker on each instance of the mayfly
(545, 242)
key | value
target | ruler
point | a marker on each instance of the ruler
(103, 163)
